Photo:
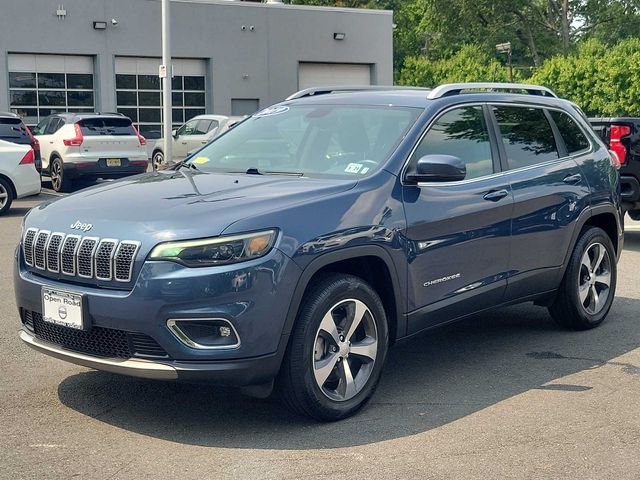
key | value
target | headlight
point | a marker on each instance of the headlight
(216, 251)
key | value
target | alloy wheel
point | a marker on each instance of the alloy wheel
(56, 175)
(345, 350)
(594, 282)
(158, 160)
(4, 196)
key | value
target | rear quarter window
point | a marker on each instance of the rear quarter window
(574, 139)
(13, 130)
(106, 126)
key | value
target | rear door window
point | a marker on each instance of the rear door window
(106, 126)
(574, 139)
(526, 135)
(13, 130)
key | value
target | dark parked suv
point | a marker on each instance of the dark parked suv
(298, 246)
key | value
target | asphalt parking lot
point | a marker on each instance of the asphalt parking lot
(502, 395)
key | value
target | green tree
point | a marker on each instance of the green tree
(602, 79)
(469, 64)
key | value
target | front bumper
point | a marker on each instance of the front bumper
(240, 372)
(253, 296)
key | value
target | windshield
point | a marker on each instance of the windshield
(336, 140)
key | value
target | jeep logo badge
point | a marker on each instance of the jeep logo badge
(85, 227)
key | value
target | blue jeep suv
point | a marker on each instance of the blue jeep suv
(298, 246)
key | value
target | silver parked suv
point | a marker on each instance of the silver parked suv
(90, 146)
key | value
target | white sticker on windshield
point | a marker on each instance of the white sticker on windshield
(268, 112)
(353, 168)
(364, 170)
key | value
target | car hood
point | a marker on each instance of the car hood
(182, 204)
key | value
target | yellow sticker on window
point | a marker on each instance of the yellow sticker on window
(200, 160)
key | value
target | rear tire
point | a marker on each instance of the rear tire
(157, 160)
(589, 284)
(59, 182)
(337, 349)
(6, 196)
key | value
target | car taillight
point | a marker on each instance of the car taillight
(77, 140)
(34, 141)
(29, 158)
(141, 139)
(618, 132)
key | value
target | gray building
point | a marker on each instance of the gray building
(230, 57)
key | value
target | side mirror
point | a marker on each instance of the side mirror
(174, 133)
(438, 168)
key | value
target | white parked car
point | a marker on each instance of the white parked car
(193, 135)
(89, 146)
(18, 175)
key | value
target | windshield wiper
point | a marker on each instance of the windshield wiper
(257, 171)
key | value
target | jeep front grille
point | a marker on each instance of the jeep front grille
(86, 257)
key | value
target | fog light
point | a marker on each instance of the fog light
(205, 334)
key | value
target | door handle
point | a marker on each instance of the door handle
(184, 143)
(495, 195)
(572, 179)
(204, 142)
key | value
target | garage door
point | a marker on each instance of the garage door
(139, 92)
(40, 85)
(324, 74)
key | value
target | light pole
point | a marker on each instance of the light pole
(166, 74)
(506, 48)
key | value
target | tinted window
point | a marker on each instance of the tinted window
(574, 139)
(106, 126)
(12, 130)
(53, 126)
(462, 133)
(41, 127)
(526, 135)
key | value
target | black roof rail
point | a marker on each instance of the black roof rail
(457, 88)
(309, 92)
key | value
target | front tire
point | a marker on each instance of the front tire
(589, 284)
(6, 196)
(337, 349)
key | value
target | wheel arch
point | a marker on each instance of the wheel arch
(11, 185)
(371, 263)
(605, 217)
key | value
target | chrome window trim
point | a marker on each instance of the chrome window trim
(495, 174)
(47, 233)
(172, 325)
(133, 259)
(46, 259)
(91, 256)
(111, 257)
(73, 255)
(33, 242)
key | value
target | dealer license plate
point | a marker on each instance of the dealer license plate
(62, 308)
